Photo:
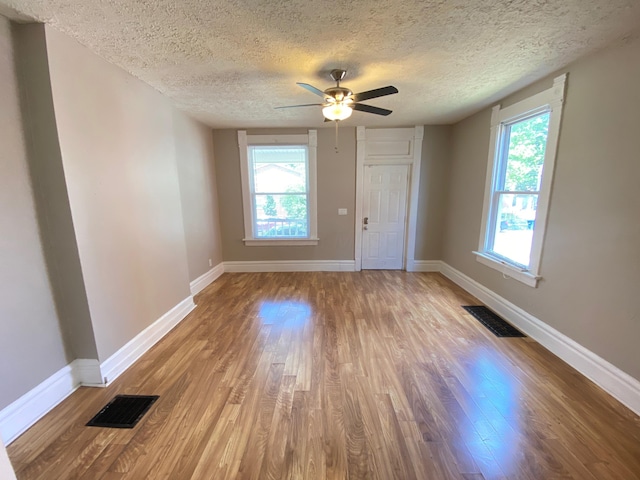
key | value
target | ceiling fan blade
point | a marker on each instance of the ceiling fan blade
(370, 109)
(305, 105)
(378, 92)
(311, 88)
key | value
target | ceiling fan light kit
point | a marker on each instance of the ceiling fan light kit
(337, 111)
(339, 102)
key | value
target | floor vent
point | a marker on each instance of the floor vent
(124, 411)
(493, 322)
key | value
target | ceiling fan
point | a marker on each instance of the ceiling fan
(340, 102)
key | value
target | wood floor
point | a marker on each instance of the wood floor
(340, 376)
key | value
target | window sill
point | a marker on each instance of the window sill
(508, 270)
(279, 242)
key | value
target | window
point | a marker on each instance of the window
(524, 138)
(279, 188)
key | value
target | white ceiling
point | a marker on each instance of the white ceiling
(228, 63)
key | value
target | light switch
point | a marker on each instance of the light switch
(342, 211)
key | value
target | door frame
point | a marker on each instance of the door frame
(390, 146)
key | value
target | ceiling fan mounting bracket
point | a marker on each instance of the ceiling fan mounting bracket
(337, 75)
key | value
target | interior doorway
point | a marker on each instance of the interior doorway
(387, 185)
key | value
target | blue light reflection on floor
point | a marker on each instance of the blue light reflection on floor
(295, 313)
(496, 404)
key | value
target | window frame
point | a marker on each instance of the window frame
(310, 141)
(551, 101)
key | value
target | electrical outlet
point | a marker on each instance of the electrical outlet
(342, 211)
(210, 263)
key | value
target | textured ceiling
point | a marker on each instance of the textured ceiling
(228, 63)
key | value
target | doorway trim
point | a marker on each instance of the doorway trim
(390, 146)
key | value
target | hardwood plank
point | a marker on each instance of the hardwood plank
(275, 456)
(297, 439)
(100, 466)
(359, 458)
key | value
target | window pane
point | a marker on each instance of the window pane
(279, 169)
(527, 141)
(514, 227)
(281, 216)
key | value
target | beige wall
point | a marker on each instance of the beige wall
(52, 204)
(117, 142)
(31, 342)
(591, 260)
(336, 189)
(198, 191)
(434, 174)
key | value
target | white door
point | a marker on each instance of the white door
(384, 209)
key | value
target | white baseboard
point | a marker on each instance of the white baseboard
(203, 281)
(87, 372)
(617, 383)
(28, 409)
(425, 266)
(136, 347)
(17, 417)
(292, 266)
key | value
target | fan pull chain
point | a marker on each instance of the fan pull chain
(336, 122)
